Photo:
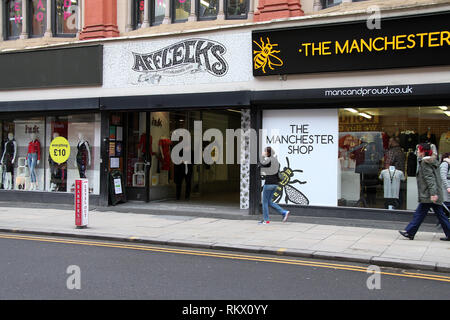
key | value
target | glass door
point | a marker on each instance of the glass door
(137, 155)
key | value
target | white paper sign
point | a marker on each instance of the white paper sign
(306, 145)
(117, 186)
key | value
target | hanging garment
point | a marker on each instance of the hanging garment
(391, 181)
(165, 145)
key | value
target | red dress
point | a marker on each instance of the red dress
(143, 143)
(165, 145)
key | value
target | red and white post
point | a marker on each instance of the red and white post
(81, 203)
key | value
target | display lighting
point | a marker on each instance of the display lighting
(365, 115)
(351, 110)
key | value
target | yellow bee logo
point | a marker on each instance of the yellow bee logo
(263, 57)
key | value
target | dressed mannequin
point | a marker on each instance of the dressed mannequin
(33, 158)
(392, 177)
(8, 158)
(83, 155)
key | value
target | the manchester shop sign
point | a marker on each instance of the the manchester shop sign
(400, 43)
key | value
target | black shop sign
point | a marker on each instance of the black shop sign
(415, 41)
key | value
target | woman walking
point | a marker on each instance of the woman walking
(429, 186)
(269, 171)
(445, 177)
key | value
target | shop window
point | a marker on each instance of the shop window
(14, 19)
(181, 10)
(26, 163)
(138, 14)
(157, 12)
(330, 3)
(207, 9)
(37, 18)
(66, 17)
(22, 154)
(237, 9)
(378, 153)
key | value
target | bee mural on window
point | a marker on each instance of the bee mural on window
(285, 185)
(265, 56)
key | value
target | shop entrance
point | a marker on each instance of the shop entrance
(141, 147)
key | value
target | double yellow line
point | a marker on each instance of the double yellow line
(225, 256)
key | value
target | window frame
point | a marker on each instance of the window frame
(54, 19)
(197, 12)
(30, 20)
(234, 17)
(151, 13)
(173, 12)
(5, 23)
(134, 14)
(324, 2)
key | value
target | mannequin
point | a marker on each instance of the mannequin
(33, 158)
(392, 177)
(83, 155)
(8, 158)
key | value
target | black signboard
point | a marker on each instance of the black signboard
(116, 188)
(62, 67)
(414, 41)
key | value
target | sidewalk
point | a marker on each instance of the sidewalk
(376, 246)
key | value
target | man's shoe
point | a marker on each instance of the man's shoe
(264, 222)
(445, 239)
(406, 235)
(286, 216)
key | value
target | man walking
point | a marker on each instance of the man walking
(429, 186)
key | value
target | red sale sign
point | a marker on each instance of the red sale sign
(81, 203)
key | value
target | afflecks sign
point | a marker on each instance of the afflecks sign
(216, 58)
(400, 42)
(306, 145)
(192, 55)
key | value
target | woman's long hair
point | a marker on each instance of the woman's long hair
(445, 156)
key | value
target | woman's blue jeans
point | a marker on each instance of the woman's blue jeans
(32, 160)
(267, 196)
(419, 216)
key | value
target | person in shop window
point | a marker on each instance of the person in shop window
(395, 155)
(184, 171)
(429, 186)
